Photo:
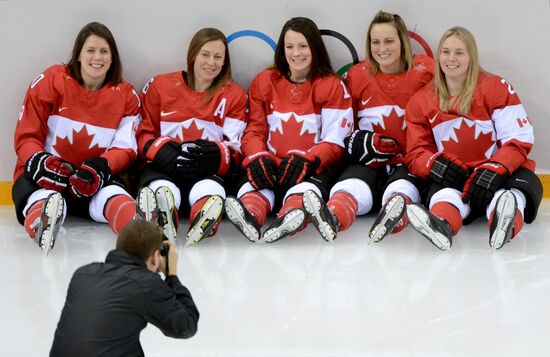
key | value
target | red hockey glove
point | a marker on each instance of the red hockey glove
(295, 167)
(448, 171)
(261, 170)
(370, 149)
(48, 171)
(482, 185)
(92, 175)
(165, 153)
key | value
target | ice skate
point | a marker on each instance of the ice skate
(242, 219)
(205, 221)
(50, 221)
(433, 228)
(320, 215)
(388, 218)
(502, 224)
(284, 226)
(146, 203)
(167, 213)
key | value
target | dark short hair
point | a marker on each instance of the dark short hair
(114, 74)
(140, 238)
(320, 61)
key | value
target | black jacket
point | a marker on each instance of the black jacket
(108, 304)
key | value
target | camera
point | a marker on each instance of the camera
(164, 248)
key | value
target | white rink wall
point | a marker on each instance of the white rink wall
(153, 37)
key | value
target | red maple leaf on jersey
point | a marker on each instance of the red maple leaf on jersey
(394, 128)
(192, 133)
(468, 148)
(289, 137)
(80, 149)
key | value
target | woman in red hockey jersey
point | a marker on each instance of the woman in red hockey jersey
(74, 135)
(192, 125)
(300, 112)
(469, 134)
(381, 86)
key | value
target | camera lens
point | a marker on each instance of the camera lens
(164, 250)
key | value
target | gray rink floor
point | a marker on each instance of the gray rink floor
(305, 297)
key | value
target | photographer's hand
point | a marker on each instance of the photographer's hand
(172, 259)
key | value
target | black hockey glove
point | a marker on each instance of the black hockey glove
(448, 171)
(92, 175)
(165, 153)
(48, 171)
(296, 167)
(370, 149)
(261, 170)
(482, 185)
(206, 158)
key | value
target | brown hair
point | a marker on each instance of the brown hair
(320, 61)
(464, 99)
(140, 238)
(203, 36)
(114, 74)
(397, 22)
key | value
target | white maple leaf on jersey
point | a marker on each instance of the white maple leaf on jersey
(63, 128)
(310, 122)
(374, 116)
(446, 131)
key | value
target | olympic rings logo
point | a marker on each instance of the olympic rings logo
(355, 58)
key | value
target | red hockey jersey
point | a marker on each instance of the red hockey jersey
(65, 119)
(379, 101)
(316, 115)
(496, 129)
(172, 109)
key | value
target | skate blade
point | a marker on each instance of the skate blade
(418, 219)
(313, 207)
(53, 212)
(393, 210)
(235, 213)
(146, 201)
(507, 207)
(213, 210)
(165, 203)
(291, 223)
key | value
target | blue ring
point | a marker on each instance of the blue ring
(252, 33)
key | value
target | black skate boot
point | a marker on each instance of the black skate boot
(284, 226)
(242, 219)
(47, 227)
(388, 218)
(320, 215)
(435, 229)
(501, 230)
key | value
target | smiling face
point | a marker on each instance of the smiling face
(454, 59)
(208, 64)
(385, 48)
(298, 55)
(95, 60)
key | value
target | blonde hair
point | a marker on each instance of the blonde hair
(397, 22)
(463, 101)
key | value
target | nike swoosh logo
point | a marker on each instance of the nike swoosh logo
(433, 119)
(62, 109)
(364, 102)
(165, 114)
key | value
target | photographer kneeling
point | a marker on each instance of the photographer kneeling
(108, 304)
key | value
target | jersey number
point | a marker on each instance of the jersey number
(346, 94)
